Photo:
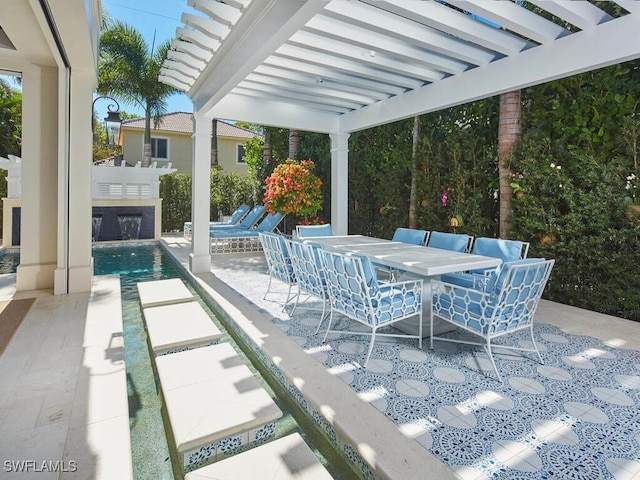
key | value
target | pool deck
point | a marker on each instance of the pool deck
(63, 381)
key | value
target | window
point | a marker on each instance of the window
(240, 153)
(160, 148)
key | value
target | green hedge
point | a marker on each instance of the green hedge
(227, 192)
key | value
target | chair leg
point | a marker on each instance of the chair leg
(490, 353)
(328, 327)
(324, 312)
(535, 345)
(268, 288)
(373, 339)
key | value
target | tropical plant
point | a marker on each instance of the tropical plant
(293, 188)
(10, 119)
(128, 69)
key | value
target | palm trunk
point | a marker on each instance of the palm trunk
(294, 144)
(267, 154)
(413, 192)
(146, 153)
(214, 143)
(509, 133)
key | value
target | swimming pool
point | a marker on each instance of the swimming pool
(151, 453)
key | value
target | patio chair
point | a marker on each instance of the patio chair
(235, 219)
(354, 291)
(278, 262)
(249, 221)
(505, 305)
(308, 271)
(410, 236)
(506, 250)
(456, 242)
(303, 231)
(238, 240)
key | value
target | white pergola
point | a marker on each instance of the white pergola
(339, 66)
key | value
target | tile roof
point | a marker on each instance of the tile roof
(182, 122)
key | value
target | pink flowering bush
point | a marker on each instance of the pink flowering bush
(293, 188)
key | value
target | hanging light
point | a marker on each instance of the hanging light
(112, 121)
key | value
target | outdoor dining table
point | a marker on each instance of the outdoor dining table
(412, 261)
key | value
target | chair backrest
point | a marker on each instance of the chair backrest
(239, 214)
(270, 222)
(410, 236)
(506, 250)
(515, 291)
(305, 258)
(457, 242)
(303, 231)
(277, 255)
(252, 217)
(351, 283)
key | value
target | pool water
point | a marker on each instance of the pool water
(9, 260)
(151, 455)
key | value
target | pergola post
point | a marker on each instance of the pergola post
(340, 182)
(200, 256)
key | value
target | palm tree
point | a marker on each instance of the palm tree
(509, 133)
(128, 70)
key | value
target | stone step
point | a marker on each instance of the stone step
(287, 458)
(163, 292)
(214, 403)
(178, 327)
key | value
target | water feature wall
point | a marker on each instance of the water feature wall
(125, 206)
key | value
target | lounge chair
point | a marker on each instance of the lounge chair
(235, 219)
(236, 240)
(249, 221)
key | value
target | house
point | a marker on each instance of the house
(171, 142)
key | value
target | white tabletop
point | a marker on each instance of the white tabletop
(416, 259)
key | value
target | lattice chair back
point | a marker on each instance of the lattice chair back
(305, 259)
(355, 292)
(506, 303)
(410, 236)
(279, 264)
(456, 242)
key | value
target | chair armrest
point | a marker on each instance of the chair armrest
(388, 289)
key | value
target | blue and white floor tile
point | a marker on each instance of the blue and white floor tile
(575, 417)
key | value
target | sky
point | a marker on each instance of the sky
(158, 18)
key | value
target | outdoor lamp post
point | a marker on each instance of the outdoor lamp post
(112, 121)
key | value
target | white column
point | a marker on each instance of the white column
(38, 239)
(75, 219)
(339, 183)
(200, 256)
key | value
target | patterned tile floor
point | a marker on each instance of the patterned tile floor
(575, 417)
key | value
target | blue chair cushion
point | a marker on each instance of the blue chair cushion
(410, 236)
(315, 230)
(449, 241)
